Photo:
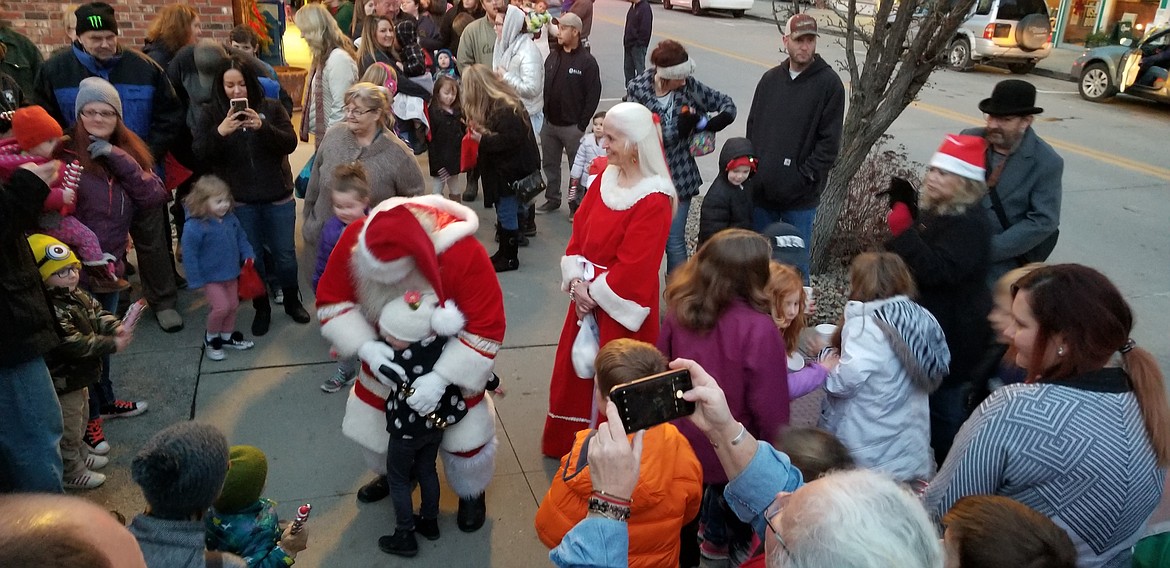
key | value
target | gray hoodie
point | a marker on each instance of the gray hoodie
(175, 544)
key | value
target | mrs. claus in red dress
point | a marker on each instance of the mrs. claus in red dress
(611, 266)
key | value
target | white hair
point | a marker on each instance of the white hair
(636, 122)
(856, 519)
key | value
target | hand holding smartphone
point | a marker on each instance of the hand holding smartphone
(238, 107)
(653, 400)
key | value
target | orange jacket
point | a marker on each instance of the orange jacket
(670, 487)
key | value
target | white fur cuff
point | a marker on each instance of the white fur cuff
(626, 312)
(571, 268)
(463, 366)
(348, 332)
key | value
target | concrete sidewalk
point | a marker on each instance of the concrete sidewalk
(1056, 65)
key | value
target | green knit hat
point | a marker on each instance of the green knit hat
(246, 476)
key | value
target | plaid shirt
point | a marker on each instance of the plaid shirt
(684, 172)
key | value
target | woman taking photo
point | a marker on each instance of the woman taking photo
(507, 153)
(948, 250)
(117, 181)
(610, 267)
(684, 106)
(249, 150)
(1085, 441)
(333, 70)
(364, 136)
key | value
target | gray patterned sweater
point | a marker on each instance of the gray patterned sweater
(1076, 451)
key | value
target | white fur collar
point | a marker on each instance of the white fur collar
(621, 198)
(466, 225)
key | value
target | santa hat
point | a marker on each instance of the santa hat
(962, 155)
(394, 244)
(32, 125)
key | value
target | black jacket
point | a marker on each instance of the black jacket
(639, 24)
(87, 333)
(508, 154)
(27, 327)
(254, 163)
(726, 205)
(795, 127)
(572, 87)
(446, 140)
(949, 256)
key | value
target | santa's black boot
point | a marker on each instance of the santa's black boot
(506, 259)
(472, 513)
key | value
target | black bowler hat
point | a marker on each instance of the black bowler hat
(1011, 97)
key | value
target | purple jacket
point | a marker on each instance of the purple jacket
(745, 353)
(107, 200)
(330, 233)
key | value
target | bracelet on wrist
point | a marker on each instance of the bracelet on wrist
(737, 440)
(609, 510)
(610, 497)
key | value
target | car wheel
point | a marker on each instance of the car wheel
(1021, 68)
(1033, 31)
(737, 13)
(666, 5)
(1096, 83)
(696, 8)
(959, 55)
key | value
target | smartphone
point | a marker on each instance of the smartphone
(653, 400)
(238, 106)
(133, 313)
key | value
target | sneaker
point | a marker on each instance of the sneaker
(337, 381)
(123, 409)
(213, 348)
(95, 438)
(712, 551)
(237, 341)
(401, 543)
(548, 207)
(277, 296)
(94, 461)
(427, 528)
(87, 480)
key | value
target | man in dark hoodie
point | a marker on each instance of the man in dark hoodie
(795, 128)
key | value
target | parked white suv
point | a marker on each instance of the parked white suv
(1014, 33)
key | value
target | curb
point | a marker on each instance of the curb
(1063, 76)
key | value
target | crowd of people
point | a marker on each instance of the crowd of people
(980, 408)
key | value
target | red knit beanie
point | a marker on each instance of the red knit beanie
(32, 126)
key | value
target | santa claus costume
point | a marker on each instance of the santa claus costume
(619, 237)
(400, 243)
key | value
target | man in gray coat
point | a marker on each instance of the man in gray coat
(1023, 179)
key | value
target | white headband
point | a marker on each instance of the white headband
(680, 71)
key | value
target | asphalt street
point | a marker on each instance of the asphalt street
(1114, 216)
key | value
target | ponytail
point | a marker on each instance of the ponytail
(1150, 389)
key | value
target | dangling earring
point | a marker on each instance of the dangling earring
(1060, 351)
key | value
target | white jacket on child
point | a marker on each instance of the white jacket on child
(588, 151)
(893, 355)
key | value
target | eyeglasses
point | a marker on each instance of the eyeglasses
(67, 271)
(93, 113)
(353, 111)
(773, 511)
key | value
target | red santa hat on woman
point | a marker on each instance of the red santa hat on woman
(962, 155)
(392, 245)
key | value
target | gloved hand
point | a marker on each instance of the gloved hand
(428, 389)
(902, 191)
(687, 122)
(99, 147)
(899, 218)
(720, 121)
(375, 354)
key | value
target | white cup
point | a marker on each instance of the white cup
(825, 332)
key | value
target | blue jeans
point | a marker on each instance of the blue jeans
(102, 393)
(30, 432)
(950, 406)
(413, 459)
(676, 243)
(508, 212)
(270, 226)
(802, 219)
(635, 61)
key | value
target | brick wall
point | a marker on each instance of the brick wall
(44, 22)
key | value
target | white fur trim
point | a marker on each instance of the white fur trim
(104, 260)
(447, 319)
(467, 224)
(626, 312)
(949, 163)
(463, 366)
(680, 71)
(470, 477)
(621, 198)
(368, 267)
(365, 424)
(376, 461)
(348, 331)
(571, 268)
(477, 428)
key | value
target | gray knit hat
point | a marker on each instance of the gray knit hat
(181, 469)
(96, 90)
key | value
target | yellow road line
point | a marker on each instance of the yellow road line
(1106, 157)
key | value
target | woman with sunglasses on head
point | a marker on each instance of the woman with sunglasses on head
(855, 518)
(245, 139)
